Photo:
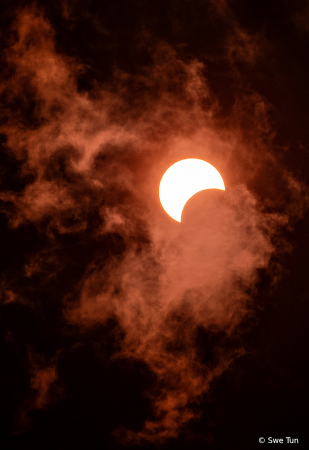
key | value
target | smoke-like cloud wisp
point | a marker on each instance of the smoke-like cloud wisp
(90, 165)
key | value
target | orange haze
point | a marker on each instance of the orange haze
(170, 279)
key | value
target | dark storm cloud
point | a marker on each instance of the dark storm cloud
(91, 164)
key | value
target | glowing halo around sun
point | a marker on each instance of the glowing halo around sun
(184, 179)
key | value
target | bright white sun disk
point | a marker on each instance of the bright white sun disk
(184, 179)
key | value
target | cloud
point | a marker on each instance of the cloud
(300, 17)
(91, 163)
(41, 382)
(240, 45)
(44, 390)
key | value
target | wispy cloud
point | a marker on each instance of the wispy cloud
(92, 162)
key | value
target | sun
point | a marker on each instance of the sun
(184, 179)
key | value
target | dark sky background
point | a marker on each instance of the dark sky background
(121, 328)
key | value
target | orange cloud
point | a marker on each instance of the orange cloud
(93, 162)
(41, 382)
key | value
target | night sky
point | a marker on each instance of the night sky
(120, 327)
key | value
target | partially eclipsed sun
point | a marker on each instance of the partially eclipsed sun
(184, 179)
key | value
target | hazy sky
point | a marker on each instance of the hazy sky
(120, 327)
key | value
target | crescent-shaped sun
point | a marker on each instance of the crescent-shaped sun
(184, 179)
